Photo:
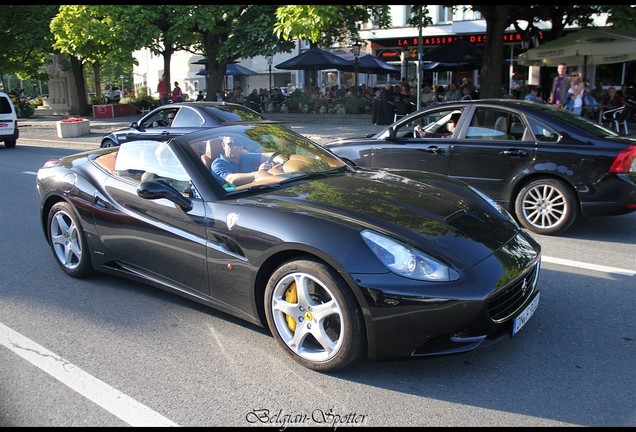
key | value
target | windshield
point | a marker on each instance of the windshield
(242, 157)
(579, 121)
(233, 113)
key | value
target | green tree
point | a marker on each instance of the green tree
(226, 33)
(91, 35)
(325, 25)
(25, 39)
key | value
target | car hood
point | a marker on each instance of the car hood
(429, 211)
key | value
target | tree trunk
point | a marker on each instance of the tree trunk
(97, 79)
(80, 85)
(497, 20)
(215, 70)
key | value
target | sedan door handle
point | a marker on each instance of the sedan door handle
(434, 149)
(515, 153)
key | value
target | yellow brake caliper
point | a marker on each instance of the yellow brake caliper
(291, 296)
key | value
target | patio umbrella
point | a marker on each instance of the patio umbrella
(232, 69)
(587, 46)
(369, 64)
(315, 59)
(445, 66)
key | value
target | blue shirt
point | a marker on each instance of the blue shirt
(248, 162)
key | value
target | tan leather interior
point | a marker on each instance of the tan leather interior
(108, 161)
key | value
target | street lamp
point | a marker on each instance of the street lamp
(270, 60)
(356, 53)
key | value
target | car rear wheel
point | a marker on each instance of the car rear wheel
(10, 143)
(68, 242)
(546, 206)
(108, 143)
(314, 316)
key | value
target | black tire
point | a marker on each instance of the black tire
(68, 241)
(10, 143)
(109, 143)
(322, 328)
(546, 206)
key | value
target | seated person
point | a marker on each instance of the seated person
(450, 126)
(167, 123)
(238, 167)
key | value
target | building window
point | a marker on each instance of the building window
(444, 14)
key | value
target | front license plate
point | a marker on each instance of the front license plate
(525, 315)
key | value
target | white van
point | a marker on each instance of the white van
(8, 122)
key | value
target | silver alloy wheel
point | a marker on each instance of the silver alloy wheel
(545, 206)
(65, 240)
(311, 325)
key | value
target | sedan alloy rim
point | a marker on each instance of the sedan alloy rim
(307, 317)
(65, 240)
(544, 206)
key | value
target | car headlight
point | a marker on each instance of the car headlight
(496, 206)
(407, 261)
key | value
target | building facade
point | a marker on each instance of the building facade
(397, 45)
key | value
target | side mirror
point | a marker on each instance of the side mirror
(156, 189)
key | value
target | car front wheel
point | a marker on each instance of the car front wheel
(68, 241)
(108, 143)
(546, 206)
(314, 316)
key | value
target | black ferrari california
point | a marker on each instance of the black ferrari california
(338, 261)
(546, 166)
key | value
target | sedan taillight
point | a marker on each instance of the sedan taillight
(625, 161)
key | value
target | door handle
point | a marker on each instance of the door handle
(434, 149)
(515, 153)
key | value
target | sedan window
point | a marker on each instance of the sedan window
(489, 124)
(543, 132)
(188, 118)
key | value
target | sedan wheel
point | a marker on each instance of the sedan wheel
(546, 206)
(68, 241)
(314, 316)
(108, 143)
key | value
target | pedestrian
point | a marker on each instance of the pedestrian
(533, 96)
(177, 94)
(574, 96)
(560, 86)
(200, 96)
(162, 89)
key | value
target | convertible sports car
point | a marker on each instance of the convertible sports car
(335, 259)
(544, 165)
(176, 119)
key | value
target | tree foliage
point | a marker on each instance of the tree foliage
(226, 33)
(25, 39)
(324, 25)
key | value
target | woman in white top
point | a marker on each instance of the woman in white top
(575, 94)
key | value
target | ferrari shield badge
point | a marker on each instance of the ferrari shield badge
(231, 220)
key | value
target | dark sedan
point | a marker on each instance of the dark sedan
(176, 119)
(544, 165)
(335, 259)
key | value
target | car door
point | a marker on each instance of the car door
(420, 143)
(493, 148)
(155, 126)
(152, 237)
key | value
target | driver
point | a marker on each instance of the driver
(238, 167)
(451, 125)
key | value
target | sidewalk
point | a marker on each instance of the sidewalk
(40, 130)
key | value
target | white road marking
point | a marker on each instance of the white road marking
(95, 390)
(588, 266)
